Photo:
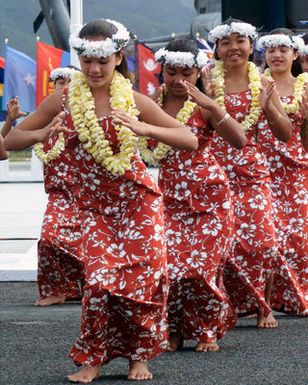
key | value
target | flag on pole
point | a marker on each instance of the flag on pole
(148, 70)
(205, 46)
(19, 79)
(48, 58)
(1, 79)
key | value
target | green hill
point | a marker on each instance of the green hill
(146, 18)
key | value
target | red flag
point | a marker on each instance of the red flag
(48, 58)
(148, 69)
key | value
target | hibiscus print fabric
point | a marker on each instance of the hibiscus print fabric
(199, 232)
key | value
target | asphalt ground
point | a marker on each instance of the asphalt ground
(34, 344)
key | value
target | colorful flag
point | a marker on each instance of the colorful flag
(48, 58)
(148, 70)
(205, 46)
(1, 79)
(19, 79)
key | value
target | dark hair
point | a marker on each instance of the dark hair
(105, 29)
(296, 68)
(305, 38)
(228, 22)
(184, 45)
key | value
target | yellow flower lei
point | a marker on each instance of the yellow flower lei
(254, 86)
(51, 154)
(299, 86)
(91, 134)
(152, 157)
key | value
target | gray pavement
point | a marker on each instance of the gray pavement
(35, 342)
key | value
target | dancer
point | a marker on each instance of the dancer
(61, 76)
(288, 164)
(239, 91)
(60, 265)
(198, 214)
(120, 205)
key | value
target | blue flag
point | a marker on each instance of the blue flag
(19, 79)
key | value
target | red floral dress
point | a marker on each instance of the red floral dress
(288, 164)
(123, 248)
(199, 229)
(255, 250)
(60, 267)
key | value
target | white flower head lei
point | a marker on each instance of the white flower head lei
(181, 59)
(101, 48)
(280, 39)
(61, 72)
(304, 51)
(223, 30)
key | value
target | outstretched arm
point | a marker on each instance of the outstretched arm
(38, 126)
(157, 124)
(13, 113)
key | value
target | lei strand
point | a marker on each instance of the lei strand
(254, 87)
(299, 86)
(152, 157)
(51, 154)
(91, 134)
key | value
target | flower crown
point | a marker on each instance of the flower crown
(61, 73)
(101, 48)
(181, 59)
(271, 41)
(223, 30)
(304, 51)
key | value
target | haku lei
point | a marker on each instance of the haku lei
(254, 87)
(91, 134)
(299, 86)
(152, 157)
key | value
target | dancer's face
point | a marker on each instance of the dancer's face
(173, 76)
(99, 71)
(234, 50)
(280, 59)
(60, 83)
(304, 63)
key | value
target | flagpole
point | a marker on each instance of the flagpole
(75, 24)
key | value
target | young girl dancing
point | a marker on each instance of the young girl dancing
(121, 208)
(238, 90)
(288, 164)
(198, 214)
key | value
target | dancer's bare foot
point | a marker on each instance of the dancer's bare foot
(207, 347)
(268, 322)
(139, 371)
(85, 375)
(52, 300)
(175, 342)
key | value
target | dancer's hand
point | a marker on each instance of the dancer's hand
(54, 127)
(267, 91)
(159, 94)
(207, 82)
(124, 119)
(198, 97)
(303, 107)
(13, 109)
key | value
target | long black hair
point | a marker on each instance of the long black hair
(181, 44)
(105, 29)
(296, 68)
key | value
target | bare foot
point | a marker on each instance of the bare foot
(138, 371)
(52, 300)
(207, 347)
(268, 322)
(175, 342)
(86, 374)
